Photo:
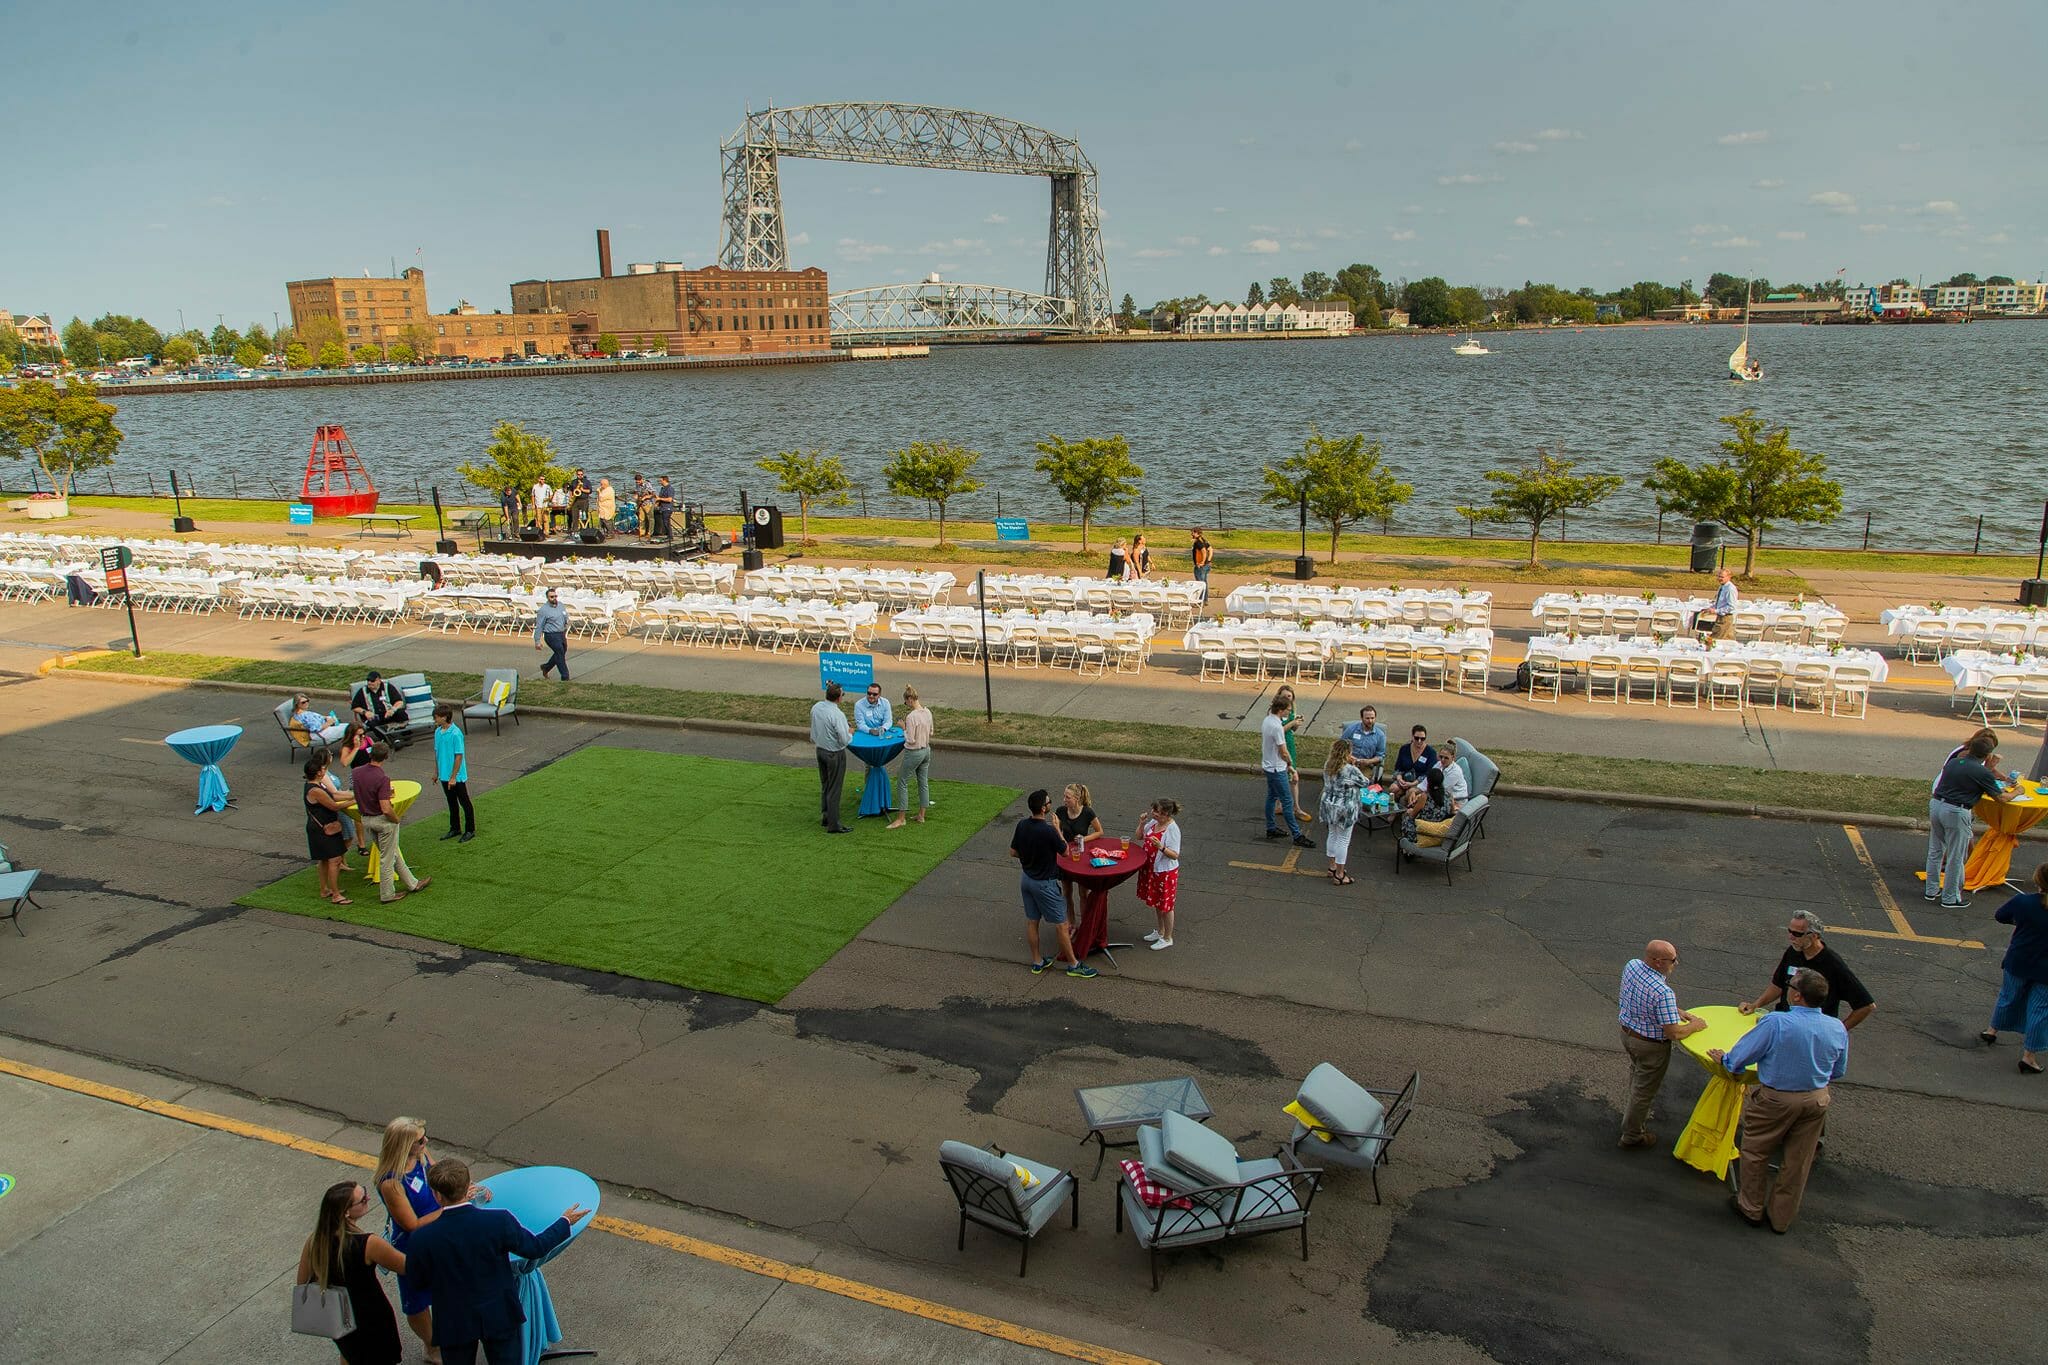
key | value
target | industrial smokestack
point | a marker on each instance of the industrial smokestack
(604, 253)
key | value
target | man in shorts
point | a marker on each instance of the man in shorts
(1037, 846)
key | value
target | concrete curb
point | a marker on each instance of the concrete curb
(58, 666)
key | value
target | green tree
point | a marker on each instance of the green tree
(1643, 298)
(1762, 479)
(1316, 285)
(179, 352)
(1366, 313)
(1255, 297)
(67, 431)
(518, 459)
(256, 335)
(223, 339)
(1429, 303)
(607, 344)
(1341, 479)
(1726, 291)
(935, 471)
(421, 338)
(1536, 493)
(368, 354)
(1360, 283)
(122, 336)
(1090, 474)
(811, 476)
(81, 344)
(401, 354)
(11, 349)
(1281, 290)
(1127, 316)
(331, 356)
(1468, 303)
(657, 345)
(296, 356)
(320, 333)
(249, 355)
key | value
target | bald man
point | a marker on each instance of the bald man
(1650, 1022)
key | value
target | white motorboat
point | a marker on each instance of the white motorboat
(1469, 347)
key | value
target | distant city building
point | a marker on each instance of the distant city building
(1236, 319)
(468, 334)
(1857, 300)
(1900, 297)
(2022, 296)
(1950, 298)
(688, 312)
(372, 309)
(36, 331)
(1606, 310)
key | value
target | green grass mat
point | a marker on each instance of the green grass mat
(702, 872)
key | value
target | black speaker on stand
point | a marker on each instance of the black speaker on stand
(442, 545)
(180, 523)
(2034, 591)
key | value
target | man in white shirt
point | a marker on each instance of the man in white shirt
(830, 736)
(1279, 771)
(871, 714)
(541, 494)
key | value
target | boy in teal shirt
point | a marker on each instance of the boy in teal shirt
(451, 765)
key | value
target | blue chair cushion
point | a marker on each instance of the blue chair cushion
(1334, 1098)
(1197, 1150)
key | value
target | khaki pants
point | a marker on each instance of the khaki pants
(1771, 1118)
(390, 862)
(1648, 1060)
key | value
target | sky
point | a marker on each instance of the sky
(195, 159)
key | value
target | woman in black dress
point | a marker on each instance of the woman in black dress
(1076, 818)
(340, 1254)
(325, 843)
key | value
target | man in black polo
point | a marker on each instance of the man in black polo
(1807, 950)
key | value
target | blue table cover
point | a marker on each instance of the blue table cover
(876, 751)
(536, 1196)
(207, 745)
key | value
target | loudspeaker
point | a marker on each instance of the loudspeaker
(445, 547)
(182, 524)
(590, 535)
(750, 559)
(2034, 592)
(529, 533)
(767, 527)
(1304, 568)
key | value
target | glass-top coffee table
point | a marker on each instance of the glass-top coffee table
(1104, 1107)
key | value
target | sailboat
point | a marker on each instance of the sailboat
(1469, 347)
(1741, 368)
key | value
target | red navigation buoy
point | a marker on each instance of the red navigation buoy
(337, 484)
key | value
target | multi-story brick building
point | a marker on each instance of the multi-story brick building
(36, 331)
(372, 310)
(468, 334)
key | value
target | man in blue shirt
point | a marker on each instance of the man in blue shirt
(1970, 774)
(1719, 619)
(551, 630)
(1368, 741)
(830, 736)
(1797, 1053)
(871, 714)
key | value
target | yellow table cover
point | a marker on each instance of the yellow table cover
(403, 794)
(1709, 1141)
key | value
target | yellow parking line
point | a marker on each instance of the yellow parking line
(765, 1266)
(1902, 929)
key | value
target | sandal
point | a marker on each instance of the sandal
(1988, 1037)
(1342, 879)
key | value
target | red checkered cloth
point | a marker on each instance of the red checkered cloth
(1152, 1195)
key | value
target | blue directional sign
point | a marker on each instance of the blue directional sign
(1013, 528)
(851, 671)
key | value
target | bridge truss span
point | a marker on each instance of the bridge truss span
(902, 312)
(754, 237)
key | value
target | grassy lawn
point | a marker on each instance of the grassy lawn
(666, 867)
(1579, 772)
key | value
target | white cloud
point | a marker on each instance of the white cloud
(1328, 234)
(1353, 147)
(1262, 246)
(1559, 135)
(995, 218)
(1187, 241)
(1403, 235)
(1909, 147)
(1748, 139)
(1735, 242)
(1946, 208)
(1791, 236)
(1266, 229)
(1411, 210)
(1705, 229)
(854, 249)
(1769, 185)
(1219, 251)
(1524, 220)
(1219, 208)
(1834, 201)
(1871, 229)
(877, 192)
(1818, 88)
(973, 246)
(801, 239)
(1155, 253)
(1516, 148)
(1466, 178)
(1999, 238)
(1247, 141)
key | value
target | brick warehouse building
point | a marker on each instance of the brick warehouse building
(693, 312)
(372, 310)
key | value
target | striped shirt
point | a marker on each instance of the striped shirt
(1647, 1003)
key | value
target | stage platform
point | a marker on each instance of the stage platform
(618, 547)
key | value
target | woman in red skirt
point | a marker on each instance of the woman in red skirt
(1159, 882)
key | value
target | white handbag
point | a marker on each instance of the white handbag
(318, 1312)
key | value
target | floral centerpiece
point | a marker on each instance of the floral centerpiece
(1578, 596)
(1937, 606)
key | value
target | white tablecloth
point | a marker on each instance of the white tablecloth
(1075, 590)
(1972, 668)
(800, 581)
(1810, 615)
(1331, 636)
(1901, 621)
(1585, 647)
(1319, 601)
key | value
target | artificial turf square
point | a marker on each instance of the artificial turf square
(703, 872)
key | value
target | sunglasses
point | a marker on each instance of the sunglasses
(1799, 933)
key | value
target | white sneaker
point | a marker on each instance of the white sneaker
(1159, 943)
(1152, 937)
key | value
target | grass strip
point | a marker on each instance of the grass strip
(1901, 796)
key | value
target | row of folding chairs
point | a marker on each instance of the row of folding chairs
(889, 597)
(1933, 641)
(256, 599)
(2009, 697)
(1174, 611)
(1424, 667)
(1051, 645)
(1444, 615)
(29, 584)
(727, 628)
(1726, 684)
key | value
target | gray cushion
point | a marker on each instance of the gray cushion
(1152, 1155)
(1334, 1098)
(1169, 1226)
(1197, 1150)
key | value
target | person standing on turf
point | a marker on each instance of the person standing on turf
(1036, 845)
(451, 765)
(1279, 771)
(830, 735)
(551, 630)
(917, 757)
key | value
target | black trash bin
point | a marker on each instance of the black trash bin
(1706, 546)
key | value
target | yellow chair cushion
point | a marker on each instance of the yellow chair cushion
(499, 691)
(1307, 1120)
(1024, 1178)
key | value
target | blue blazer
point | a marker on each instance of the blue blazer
(463, 1259)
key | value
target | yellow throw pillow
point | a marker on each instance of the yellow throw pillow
(1025, 1179)
(1307, 1120)
(300, 734)
(499, 691)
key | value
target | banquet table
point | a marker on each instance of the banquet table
(1090, 626)
(1091, 935)
(1904, 620)
(537, 1196)
(1990, 861)
(1583, 648)
(1709, 1141)
(403, 793)
(1363, 603)
(876, 751)
(1331, 635)
(207, 745)
(1810, 615)
(1972, 668)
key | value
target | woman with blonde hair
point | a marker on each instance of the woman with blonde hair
(401, 1181)
(1158, 887)
(917, 757)
(340, 1254)
(1076, 818)
(1343, 782)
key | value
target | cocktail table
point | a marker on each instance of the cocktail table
(1104, 1107)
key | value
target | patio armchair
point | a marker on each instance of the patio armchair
(497, 699)
(1348, 1124)
(990, 1185)
(301, 740)
(1457, 842)
(1224, 1197)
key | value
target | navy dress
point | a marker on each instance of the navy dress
(414, 1184)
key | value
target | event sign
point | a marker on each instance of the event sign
(852, 672)
(1013, 528)
(301, 513)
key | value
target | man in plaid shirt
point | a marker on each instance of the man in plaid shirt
(1650, 1022)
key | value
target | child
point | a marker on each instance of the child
(1160, 883)
(451, 765)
